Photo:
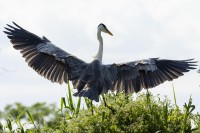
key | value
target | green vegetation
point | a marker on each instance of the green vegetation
(116, 114)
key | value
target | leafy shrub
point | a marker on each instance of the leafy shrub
(143, 113)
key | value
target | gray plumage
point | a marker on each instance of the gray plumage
(92, 79)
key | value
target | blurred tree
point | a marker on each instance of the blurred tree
(42, 113)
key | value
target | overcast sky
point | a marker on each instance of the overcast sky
(142, 29)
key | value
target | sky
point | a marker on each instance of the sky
(142, 29)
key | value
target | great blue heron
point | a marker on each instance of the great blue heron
(92, 79)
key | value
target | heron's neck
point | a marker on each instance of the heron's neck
(100, 51)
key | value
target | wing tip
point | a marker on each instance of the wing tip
(17, 25)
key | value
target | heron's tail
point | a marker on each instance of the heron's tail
(89, 93)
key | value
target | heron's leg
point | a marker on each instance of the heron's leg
(91, 104)
(106, 105)
(104, 100)
(148, 96)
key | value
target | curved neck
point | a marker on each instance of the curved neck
(100, 51)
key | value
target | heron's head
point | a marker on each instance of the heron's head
(104, 29)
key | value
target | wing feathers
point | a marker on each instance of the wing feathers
(133, 76)
(45, 58)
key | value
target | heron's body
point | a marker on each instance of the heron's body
(92, 79)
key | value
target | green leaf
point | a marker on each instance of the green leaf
(30, 118)
(22, 130)
(166, 115)
(174, 95)
(9, 125)
(103, 116)
(78, 106)
(87, 102)
(18, 120)
(62, 103)
(69, 99)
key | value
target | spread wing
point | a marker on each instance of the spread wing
(133, 76)
(44, 57)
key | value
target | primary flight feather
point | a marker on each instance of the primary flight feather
(92, 79)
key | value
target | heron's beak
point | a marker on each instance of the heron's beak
(109, 32)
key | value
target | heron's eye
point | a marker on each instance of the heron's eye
(104, 26)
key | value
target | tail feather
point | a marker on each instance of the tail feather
(89, 93)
